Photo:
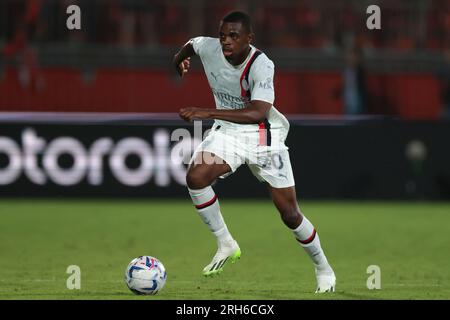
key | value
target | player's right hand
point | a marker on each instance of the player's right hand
(192, 113)
(183, 67)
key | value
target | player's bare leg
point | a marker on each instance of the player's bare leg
(202, 172)
(286, 202)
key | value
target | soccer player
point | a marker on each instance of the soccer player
(247, 129)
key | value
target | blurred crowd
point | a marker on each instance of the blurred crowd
(406, 24)
(329, 25)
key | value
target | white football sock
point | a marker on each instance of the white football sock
(207, 205)
(308, 238)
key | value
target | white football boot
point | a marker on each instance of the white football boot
(326, 281)
(227, 251)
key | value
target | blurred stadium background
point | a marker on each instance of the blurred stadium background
(89, 113)
(120, 60)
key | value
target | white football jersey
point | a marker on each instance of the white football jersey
(234, 86)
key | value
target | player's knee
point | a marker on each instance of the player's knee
(291, 216)
(196, 180)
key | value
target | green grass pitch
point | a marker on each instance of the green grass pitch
(39, 239)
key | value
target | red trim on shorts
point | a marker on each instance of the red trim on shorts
(207, 204)
(310, 239)
(262, 134)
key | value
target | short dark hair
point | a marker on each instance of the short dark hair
(239, 16)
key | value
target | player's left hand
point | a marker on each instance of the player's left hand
(192, 113)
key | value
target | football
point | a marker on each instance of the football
(145, 275)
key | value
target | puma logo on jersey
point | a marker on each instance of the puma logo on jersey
(282, 176)
(215, 77)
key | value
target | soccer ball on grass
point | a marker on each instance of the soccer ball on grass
(145, 275)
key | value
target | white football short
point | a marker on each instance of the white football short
(269, 163)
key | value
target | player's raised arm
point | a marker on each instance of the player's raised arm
(181, 58)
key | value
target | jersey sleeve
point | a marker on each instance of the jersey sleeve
(262, 82)
(199, 44)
